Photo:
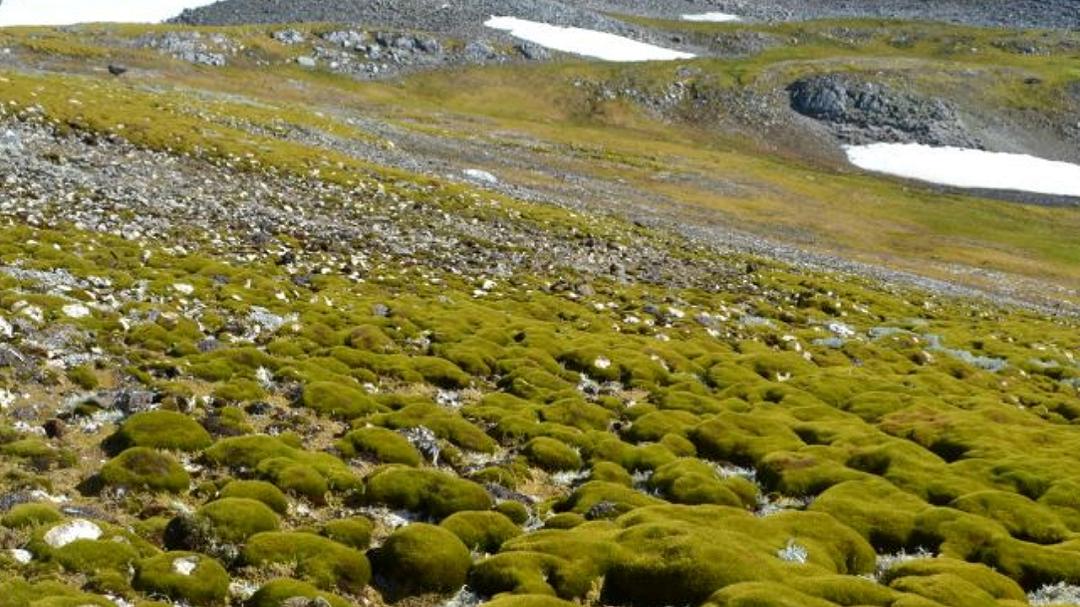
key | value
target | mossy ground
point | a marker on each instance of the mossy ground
(634, 442)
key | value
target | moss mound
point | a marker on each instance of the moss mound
(261, 491)
(161, 430)
(277, 593)
(183, 576)
(381, 444)
(145, 468)
(354, 532)
(551, 455)
(429, 492)
(30, 515)
(317, 559)
(421, 559)
(481, 531)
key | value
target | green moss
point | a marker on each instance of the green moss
(276, 593)
(258, 490)
(515, 511)
(551, 455)
(420, 559)
(432, 493)
(145, 468)
(564, 520)
(207, 583)
(1024, 519)
(481, 531)
(692, 481)
(161, 430)
(527, 600)
(317, 559)
(764, 594)
(605, 499)
(84, 377)
(440, 372)
(845, 590)
(384, 445)
(235, 519)
(610, 472)
(989, 581)
(354, 532)
(239, 390)
(880, 512)
(46, 593)
(446, 425)
(97, 557)
(295, 478)
(30, 515)
(337, 400)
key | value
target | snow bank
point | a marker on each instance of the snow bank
(966, 168)
(712, 17)
(589, 43)
(66, 12)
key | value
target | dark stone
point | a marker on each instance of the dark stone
(54, 428)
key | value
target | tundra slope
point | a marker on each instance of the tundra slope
(436, 15)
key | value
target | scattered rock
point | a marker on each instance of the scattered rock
(65, 533)
(289, 36)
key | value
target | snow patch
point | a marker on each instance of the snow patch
(586, 42)
(966, 168)
(67, 12)
(78, 529)
(712, 17)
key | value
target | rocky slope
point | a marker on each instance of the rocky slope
(524, 334)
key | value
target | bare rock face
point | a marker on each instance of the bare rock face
(860, 112)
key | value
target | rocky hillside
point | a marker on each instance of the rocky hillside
(280, 330)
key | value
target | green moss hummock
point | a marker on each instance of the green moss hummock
(421, 559)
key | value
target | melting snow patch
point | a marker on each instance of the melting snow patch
(185, 565)
(78, 529)
(589, 43)
(712, 17)
(966, 168)
(66, 12)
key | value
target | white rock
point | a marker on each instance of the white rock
(480, 175)
(78, 529)
(184, 288)
(601, 363)
(76, 311)
(21, 556)
(6, 330)
(185, 565)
